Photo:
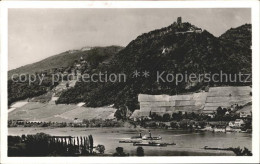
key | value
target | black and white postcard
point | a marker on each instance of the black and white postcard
(151, 81)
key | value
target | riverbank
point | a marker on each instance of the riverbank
(187, 143)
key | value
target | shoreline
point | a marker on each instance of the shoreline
(187, 143)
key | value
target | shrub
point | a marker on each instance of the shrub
(140, 151)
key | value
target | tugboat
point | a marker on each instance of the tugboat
(130, 141)
(147, 141)
(150, 137)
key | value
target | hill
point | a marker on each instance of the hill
(178, 48)
(56, 64)
(67, 59)
(241, 35)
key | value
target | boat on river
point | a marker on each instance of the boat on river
(170, 143)
(130, 141)
(150, 137)
(209, 148)
(150, 144)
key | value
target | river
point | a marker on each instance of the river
(187, 143)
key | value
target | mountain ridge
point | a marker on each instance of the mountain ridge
(178, 48)
(64, 59)
(194, 52)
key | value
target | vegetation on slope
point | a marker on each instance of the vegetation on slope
(67, 59)
(171, 49)
(186, 53)
(241, 35)
(22, 90)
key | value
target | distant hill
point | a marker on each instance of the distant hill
(241, 35)
(67, 59)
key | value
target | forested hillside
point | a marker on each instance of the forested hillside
(66, 59)
(21, 89)
(174, 49)
(179, 48)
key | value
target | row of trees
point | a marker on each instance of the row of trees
(43, 144)
(183, 124)
(85, 123)
(101, 123)
(219, 116)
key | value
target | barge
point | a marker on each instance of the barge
(130, 141)
(150, 144)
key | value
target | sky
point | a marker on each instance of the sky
(35, 34)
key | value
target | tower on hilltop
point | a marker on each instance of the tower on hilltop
(179, 21)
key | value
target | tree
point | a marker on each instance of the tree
(37, 145)
(153, 115)
(193, 115)
(130, 100)
(224, 110)
(174, 125)
(175, 116)
(202, 124)
(119, 152)
(100, 149)
(166, 117)
(156, 117)
(247, 152)
(185, 116)
(91, 142)
(120, 114)
(140, 151)
(241, 152)
(219, 111)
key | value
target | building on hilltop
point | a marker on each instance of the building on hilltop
(185, 27)
(179, 21)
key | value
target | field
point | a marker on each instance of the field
(206, 101)
(227, 96)
(35, 111)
